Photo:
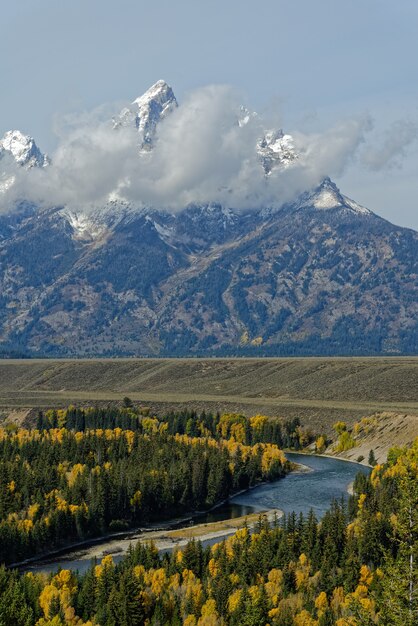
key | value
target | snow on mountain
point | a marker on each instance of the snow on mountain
(121, 278)
(354, 206)
(307, 281)
(92, 225)
(146, 111)
(327, 196)
(6, 182)
(23, 149)
(276, 149)
(245, 116)
(85, 228)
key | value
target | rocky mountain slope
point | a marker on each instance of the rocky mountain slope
(321, 275)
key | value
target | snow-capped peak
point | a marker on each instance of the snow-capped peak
(146, 111)
(23, 149)
(276, 148)
(327, 196)
(159, 94)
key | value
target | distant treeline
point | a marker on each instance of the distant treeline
(246, 430)
(9, 352)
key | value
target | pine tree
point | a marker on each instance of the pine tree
(14, 609)
(86, 596)
(124, 604)
(372, 458)
(400, 584)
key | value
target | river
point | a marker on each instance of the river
(326, 480)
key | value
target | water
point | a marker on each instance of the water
(300, 492)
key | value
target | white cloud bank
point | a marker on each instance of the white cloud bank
(392, 147)
(200, 155)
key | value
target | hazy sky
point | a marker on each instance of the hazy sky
(310, 64)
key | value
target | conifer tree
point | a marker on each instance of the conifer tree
(372, 458)
(400, 584)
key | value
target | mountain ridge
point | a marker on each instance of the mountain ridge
(318, 275)
(209, 281)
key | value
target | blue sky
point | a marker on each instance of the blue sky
(311, 64)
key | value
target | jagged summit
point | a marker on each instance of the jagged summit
(276, 149)
(327, 196)
(23, 149)
(147, 110)
(160, 93)
(127, 278)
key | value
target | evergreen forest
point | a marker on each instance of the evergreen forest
(72, 477)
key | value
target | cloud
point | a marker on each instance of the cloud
(201, 154)
(392, 147)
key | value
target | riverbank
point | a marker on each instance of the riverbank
(129, 535)
(163, 540)
(135, 534)
(330, 456)
(169, 540)
(313, 486)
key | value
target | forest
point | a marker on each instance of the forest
(356, 567)
(82, 473)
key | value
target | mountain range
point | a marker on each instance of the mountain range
(317, 275)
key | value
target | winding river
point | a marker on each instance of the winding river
(326, 480)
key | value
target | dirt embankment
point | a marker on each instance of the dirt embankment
(389, 430)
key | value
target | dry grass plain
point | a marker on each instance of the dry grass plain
(318, 390)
